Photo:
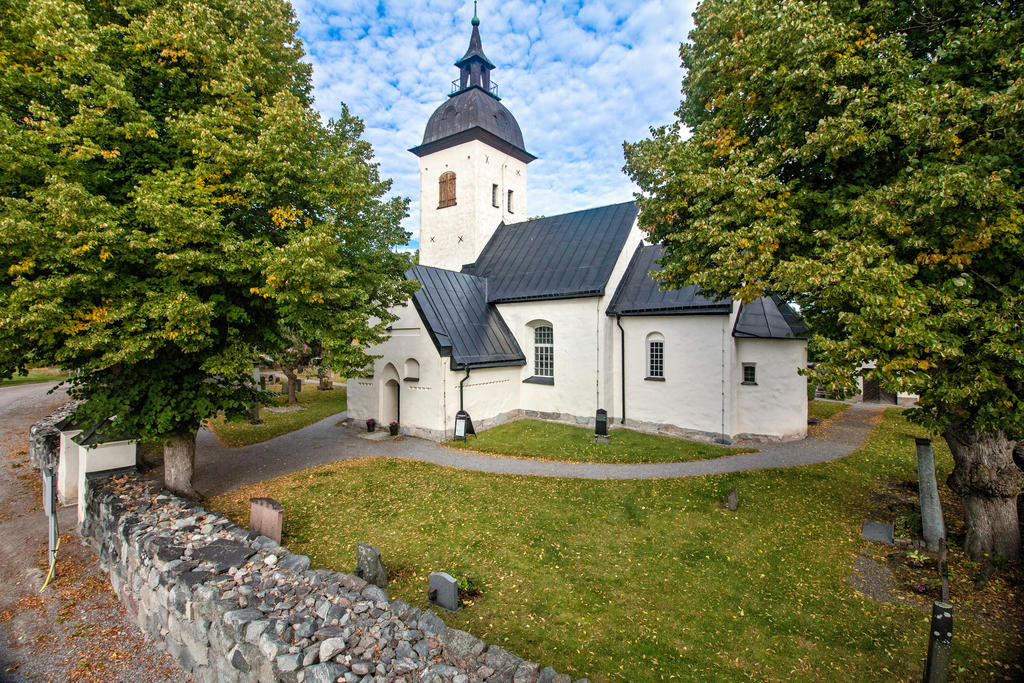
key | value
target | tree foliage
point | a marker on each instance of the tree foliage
(171, 203)
(864, 159)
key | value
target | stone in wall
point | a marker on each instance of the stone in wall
(235, 607)
(44, 437)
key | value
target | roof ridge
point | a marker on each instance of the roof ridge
(570, 213)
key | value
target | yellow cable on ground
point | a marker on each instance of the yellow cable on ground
(53, 565)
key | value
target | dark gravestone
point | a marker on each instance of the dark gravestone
(443, 591)
(734, 499)
(369, 566)
(878, 532)
(223, 554)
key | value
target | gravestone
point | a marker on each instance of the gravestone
(443, 591)
(266, 518)
(878, 532)
(734, 499)
(370, 567)
(932, 526)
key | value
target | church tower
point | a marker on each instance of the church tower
(472, 166)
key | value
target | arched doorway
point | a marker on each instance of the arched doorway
(392, 405)
(390, 398)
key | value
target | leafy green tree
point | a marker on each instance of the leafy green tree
(865, 159)
(171, 202)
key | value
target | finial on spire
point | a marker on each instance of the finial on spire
(476, 19)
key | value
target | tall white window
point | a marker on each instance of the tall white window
(655, 356)
(509, 205)
(544, 351)
(494, 195)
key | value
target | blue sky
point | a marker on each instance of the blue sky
(580, 77)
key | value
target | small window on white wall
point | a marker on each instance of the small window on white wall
(655, 357)
(750, 373)
(509, 205)
(412, 370)
(544, 351)
(494, 195)
(542, 334)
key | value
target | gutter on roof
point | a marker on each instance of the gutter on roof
(582, 294)
(474, 133)
(696, 310)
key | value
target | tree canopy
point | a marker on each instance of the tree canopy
(171, 203)
(866, 161)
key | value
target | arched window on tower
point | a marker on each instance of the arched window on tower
(446, 190)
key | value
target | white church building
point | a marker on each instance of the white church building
(558, 317)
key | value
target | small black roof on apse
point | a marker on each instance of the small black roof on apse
(640, 294)
(461, 323)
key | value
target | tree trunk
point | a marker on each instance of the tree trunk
(180, 464)
(988, 481)
(292, 377)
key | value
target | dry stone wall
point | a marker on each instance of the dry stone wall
(232, 606)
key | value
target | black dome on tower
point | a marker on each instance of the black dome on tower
(473, 109)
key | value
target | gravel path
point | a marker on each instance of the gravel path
(220, 469)
(75, 630)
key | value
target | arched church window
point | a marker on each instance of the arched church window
(543, 351)
(446, 191)
(655, 356)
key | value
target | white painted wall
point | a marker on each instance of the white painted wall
(693, 395)
(100, 458)
(488, 394)
(777, 405)
(422, 402)
(67, 468)
(576, 325)
(477, 167)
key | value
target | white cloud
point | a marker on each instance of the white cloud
(580, 77)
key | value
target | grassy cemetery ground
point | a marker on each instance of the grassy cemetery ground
(657, 580)
(35, 376)
(823, 410)
(549, 441)
(315, 404)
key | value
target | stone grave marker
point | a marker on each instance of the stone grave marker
(370, 567)
(878, 532)
(266, 518)
(443, 591)
(734, 499)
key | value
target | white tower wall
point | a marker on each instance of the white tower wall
(453, 236)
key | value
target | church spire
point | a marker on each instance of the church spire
(474, 67)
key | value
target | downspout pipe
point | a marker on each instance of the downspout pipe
(461, 406)
(622, 349)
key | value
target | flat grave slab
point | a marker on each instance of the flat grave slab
(878, 532)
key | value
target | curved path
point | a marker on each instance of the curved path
(220, 469)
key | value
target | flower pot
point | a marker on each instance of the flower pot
(393, 429)
(371, 425)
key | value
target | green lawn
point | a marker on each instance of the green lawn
(36, 376)
(823, 410)
(549, 441)
(646, 580)
(317, 404)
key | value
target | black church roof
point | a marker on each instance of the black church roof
(558, 257)
(769, 317)
(640, 294)
(461, 323)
